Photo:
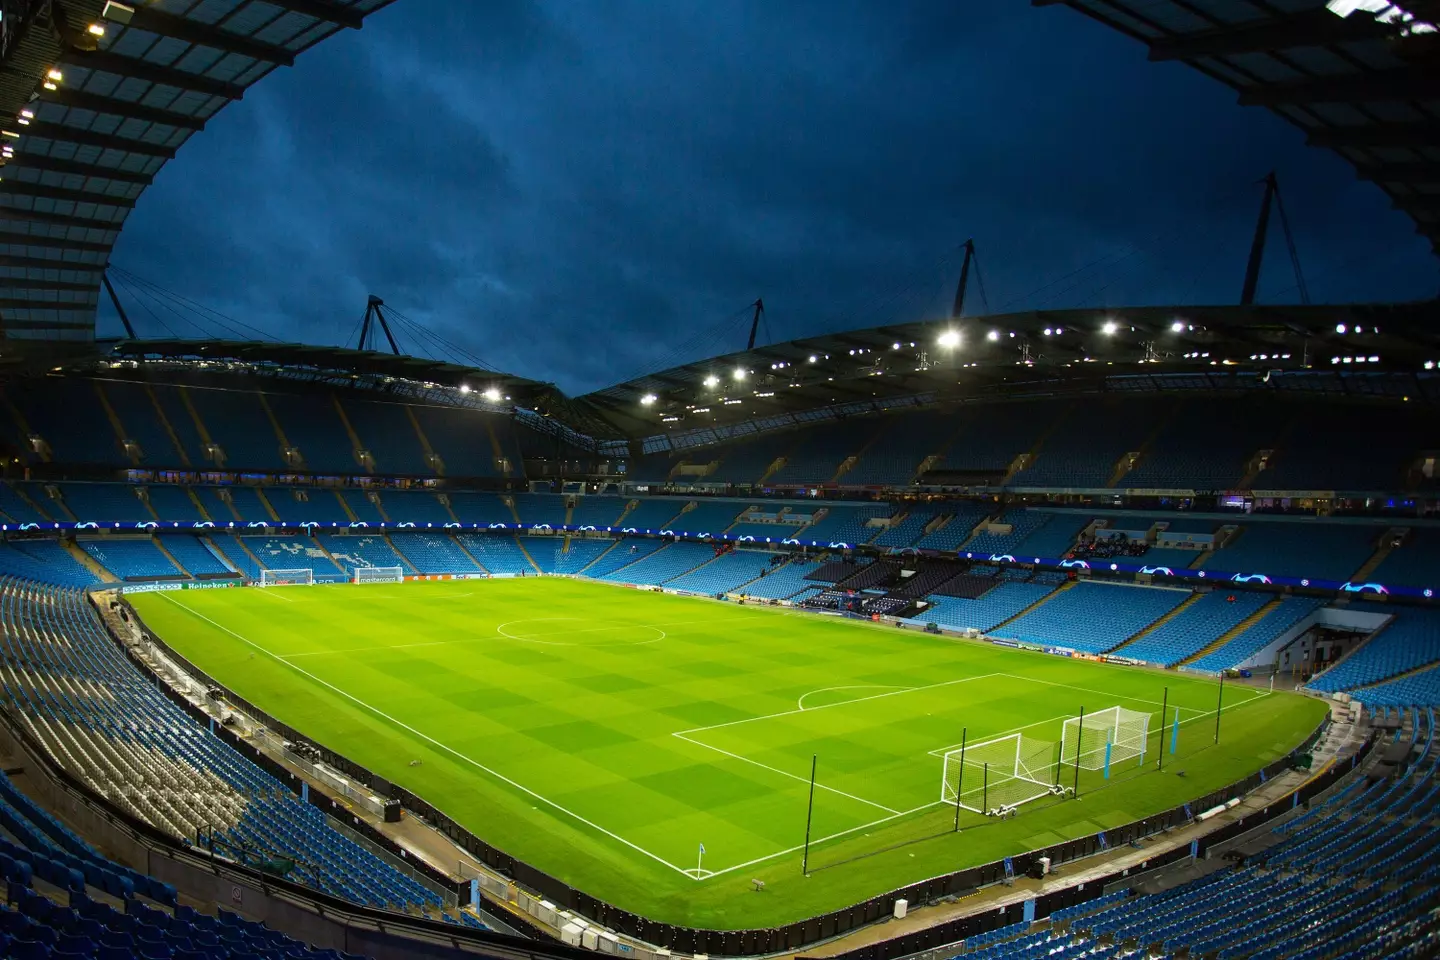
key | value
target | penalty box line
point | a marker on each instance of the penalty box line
(431, 740)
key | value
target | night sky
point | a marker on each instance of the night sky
(581, 192)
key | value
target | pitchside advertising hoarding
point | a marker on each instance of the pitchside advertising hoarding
(1159, 573)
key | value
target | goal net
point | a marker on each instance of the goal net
(379, 574)
(994, 777)
(1103, 738)
(287, 578)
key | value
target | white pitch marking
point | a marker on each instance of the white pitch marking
(842, 703)
(450, 750)
(271, 593)
(853, 686)
(784, 773)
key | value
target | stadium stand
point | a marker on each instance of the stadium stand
(291, 553)
(387, 434)
(432, 553)
(625, 552)
(45, 561)
(707, 516)
(237, 422)
(1356, 451)
(1413, 689)
(469, 443)
(130, 558)
(1288, 549)
(1202, 447)
(1275, 619)
(105, 501)
(959, 523)
(65, 417)
(1088, 457)
(665, 564)
(901, 444)
(747, 461)
(578, 554)
(302, 505)
(480, 508)
(247, 502)
(17, 508)
(314, 428)
(414, 506)
(194, 556)
(1415, 562)
(597, 511)
(654, 514)
(846, 523)
(499, 554)
(984, 613)
(359, 503)
(238, 555)
(725, 573)
(988, 441)
(910, 526)
(163, 769)
(170, 502)
(142, 425)
(1407, 642)
(781, 582)
(544, 508)
(1094, 617)
(819, 452)
(1194, 628)
(363, 550)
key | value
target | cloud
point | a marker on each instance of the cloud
(573, 191)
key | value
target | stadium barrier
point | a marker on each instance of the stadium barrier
(741, 943)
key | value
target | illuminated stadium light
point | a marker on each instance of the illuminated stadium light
(648, 400)
(993, 335)
(731, 403)
(740, 373)
(464, 388)
(712, 381)
(1374, 359)
(1177, 327)
(1391, 14)
(950, 339)
(669, 419)
(1429, 364)
(813, 358)
(54, 74)
(1047, 331)
(492, 394)
(1110, 328)
(1340, 328)
(96, 29)
(767, 393)
(895, 346)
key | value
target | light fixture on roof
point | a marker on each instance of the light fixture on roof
(813, 358)
(118, 12)
(464, 388)
(96, 29)
(950, 339)
(740, 373)
(1340, 328)
(1047, 331)
(895, 346)
(993, 335)
(1110, 328)
(712, 380)
(648, 400)
(1177, 327)
(492, 394)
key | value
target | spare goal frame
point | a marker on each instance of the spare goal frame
(1098, 740)
(995, 776)
(298, 577)
(379, 575)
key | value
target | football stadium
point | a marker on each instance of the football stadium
(1007, 636)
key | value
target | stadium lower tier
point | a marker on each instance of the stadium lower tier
(1390, 659)
(95, 715)
(1352, 878)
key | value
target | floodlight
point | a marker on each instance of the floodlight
(813, 358)
(712, 380)
(492, 394)
(54, 74)
(96, 29)
(1110, 328)
(464, 388)
(648, 399)
(1339, 328)
(950, 339)
(740, 373)
(993, 335)
(1177, 327)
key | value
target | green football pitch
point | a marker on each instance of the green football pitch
(604, 735)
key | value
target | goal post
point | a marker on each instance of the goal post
(995, 776)
(302, 576)
(379, 574)
(1099, 740)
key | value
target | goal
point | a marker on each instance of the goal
(379, 574)
(994, 777)
(287, 578)
(1107, 737)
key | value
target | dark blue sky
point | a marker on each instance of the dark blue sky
(581, 191)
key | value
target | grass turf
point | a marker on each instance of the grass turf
(603, 735)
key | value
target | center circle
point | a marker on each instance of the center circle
(551, 632)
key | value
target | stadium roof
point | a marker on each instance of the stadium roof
(1365, 84)
(1024, 354)
(95, 96)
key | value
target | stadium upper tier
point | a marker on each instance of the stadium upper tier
(82, 426)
